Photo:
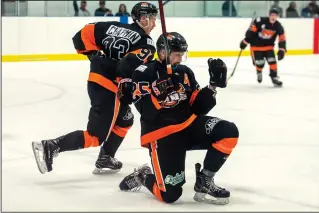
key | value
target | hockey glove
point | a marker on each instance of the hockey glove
(243, 44)
(95, 54)
(218, 73)
(281, 54)
(161, 88)
(125, 91)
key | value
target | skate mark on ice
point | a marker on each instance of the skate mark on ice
(263, 113)
(260, 193)
(60, 93)
(6, 136)
(94, 155)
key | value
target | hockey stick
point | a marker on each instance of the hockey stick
(168, 65)
(233, 72)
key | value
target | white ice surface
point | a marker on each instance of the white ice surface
(275, 166)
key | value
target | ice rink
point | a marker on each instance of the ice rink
(275, 166)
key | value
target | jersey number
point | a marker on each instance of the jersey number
(116, 47)
(140, 89)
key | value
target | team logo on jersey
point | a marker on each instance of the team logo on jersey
(175, 97)
(210, 124)
(174, 180)
(266, 34)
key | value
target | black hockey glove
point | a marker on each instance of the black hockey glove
(218, 73)
(161, 88)
(281, 55)
(125, 91)
(243, 44)
(95, 53)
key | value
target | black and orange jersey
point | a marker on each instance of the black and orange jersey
(125, 47)
(114, 38)
(262, 34)
(160, 119)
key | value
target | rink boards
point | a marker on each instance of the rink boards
(50, 38)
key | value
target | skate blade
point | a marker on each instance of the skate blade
(103, 171)
(208, 199)
(277, 86)
(37, 148)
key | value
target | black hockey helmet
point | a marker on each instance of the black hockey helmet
(274, 10)
(143, 8)
(176, 42)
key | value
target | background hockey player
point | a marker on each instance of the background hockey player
(173, 121)
(110, 117)
(261, 36)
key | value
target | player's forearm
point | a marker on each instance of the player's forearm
(204, 101)
(249, 36)
(150, 107)
(127, 65)
(282, 45)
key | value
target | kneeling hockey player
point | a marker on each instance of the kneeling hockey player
(173, 121)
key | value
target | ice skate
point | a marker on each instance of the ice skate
(259, 77)
(206, 191)
(44, 152)
(135, 180)
(276, 81)
(106, 164)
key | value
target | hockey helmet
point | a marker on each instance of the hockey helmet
(143, 9)
(274, 11)
(175, 42)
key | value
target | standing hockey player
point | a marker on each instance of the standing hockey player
(173, 121)
(124, 46)
(261, 37)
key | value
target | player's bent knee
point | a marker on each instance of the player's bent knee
(233, 130)
(226, 129)
(228, 137)
(172, 195)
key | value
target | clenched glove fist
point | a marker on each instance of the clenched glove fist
(218, 73)
(95, 54)
(243, 44)
(281, 54)
(125, 91)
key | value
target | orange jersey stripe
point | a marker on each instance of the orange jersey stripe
(104, 82)
(165, 131)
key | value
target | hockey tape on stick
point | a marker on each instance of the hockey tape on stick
(168, 65)
(233, 72)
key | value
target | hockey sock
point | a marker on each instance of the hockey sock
(71, 141)
(111, 145)
(217, 155)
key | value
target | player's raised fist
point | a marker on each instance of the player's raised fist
(218, 72)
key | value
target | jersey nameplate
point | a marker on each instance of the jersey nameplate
(123, 33)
